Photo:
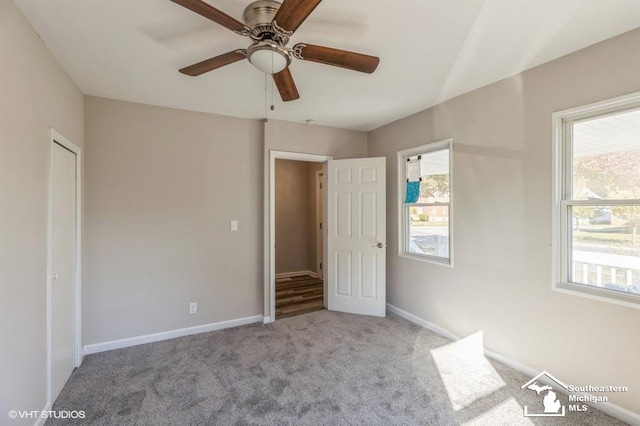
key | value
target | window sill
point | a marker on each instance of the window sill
(600, 294)
(427, 259)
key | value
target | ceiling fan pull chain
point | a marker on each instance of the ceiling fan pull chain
(272, 106)
(265, 97)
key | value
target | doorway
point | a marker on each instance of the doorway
(63, 283)
(270, 227)
(298, 237)
(354, 234)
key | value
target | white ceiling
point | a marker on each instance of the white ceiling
(430, 50)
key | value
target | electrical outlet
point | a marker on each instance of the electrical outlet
(193, 308)
(234, 225)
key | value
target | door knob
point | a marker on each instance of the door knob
(380, 245)
(55, 276)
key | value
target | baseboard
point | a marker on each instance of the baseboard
(609, 408)
(42, 420)
(423, 323)
(157, 337)
(266, 320)
(296, 274)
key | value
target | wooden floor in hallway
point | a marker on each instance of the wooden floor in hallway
(298, 295)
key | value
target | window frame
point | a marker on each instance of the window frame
(403, 228)
(562, 188)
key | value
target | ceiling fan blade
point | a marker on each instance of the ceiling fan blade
(292, 13)
(286, 86)
(210, 12)
(213, 63)
(337, 58)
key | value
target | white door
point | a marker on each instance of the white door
(64, 269)
(356, 236)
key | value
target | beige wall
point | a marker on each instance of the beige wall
(37, 95)
(162, 187)
(295, 137)
(292, 216)
(502, 171)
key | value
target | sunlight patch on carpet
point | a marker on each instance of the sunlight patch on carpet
(465, 372)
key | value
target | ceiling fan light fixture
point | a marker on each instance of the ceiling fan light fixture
(268, 56)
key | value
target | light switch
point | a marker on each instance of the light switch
(234, 225)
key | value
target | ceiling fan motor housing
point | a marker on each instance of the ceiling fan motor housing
(258, 17)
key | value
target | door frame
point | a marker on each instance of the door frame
(319, 180)
(270, 252)
(54, 138)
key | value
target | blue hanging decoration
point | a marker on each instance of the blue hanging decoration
(413, 192)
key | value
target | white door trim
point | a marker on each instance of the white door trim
(319, 220)
(270, 252)
(55, 137)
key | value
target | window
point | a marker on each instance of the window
(597, 201)
(424, 197)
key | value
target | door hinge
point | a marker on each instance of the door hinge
(320, 265)
(320, 225)
(320, 185)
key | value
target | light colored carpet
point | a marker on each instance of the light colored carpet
(322, 368)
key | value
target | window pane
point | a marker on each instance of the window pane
(429, 231)
(606, 157)
(434, 177)
(605, 247)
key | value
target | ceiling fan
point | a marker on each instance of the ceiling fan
(270, 24)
